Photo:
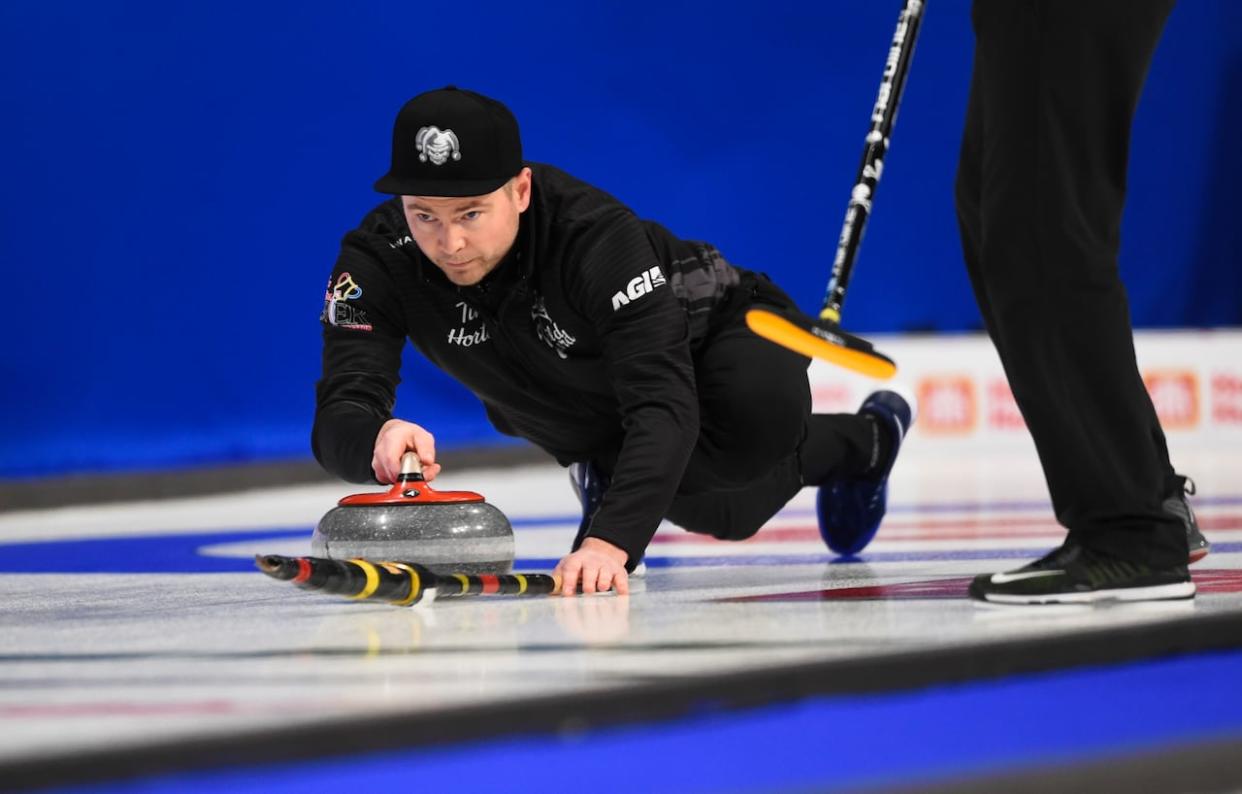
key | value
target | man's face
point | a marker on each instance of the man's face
(467, 237)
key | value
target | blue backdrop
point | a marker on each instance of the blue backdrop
(179, 177)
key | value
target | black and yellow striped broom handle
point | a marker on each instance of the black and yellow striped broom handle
(400, 583)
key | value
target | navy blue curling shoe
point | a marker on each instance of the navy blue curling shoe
(850, 509)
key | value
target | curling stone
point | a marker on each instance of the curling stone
(444, 531)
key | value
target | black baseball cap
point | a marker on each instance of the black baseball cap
(452, 142)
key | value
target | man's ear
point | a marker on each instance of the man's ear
(521, 189)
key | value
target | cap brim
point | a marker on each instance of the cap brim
(438, 188)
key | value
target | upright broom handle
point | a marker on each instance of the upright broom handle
(883, 117)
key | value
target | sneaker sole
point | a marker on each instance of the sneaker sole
(1157, 593)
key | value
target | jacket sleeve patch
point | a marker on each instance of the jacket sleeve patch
(337, 310)
(638, 287)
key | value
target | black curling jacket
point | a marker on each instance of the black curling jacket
(580, 341)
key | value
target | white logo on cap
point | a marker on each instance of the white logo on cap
(437, 145)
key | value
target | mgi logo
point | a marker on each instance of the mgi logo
(638, 287)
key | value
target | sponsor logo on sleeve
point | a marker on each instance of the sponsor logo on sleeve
(336, 308)
(638, 287)
(346, 289)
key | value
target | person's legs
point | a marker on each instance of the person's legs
(968, 193)
(755, 418)
(1055, 87)
(759, 443)
(1040, 193)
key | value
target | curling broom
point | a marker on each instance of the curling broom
(401, 583)
(823, 337)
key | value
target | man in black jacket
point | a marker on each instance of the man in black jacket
(611, 344)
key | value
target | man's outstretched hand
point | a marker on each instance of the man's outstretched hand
(598, 565)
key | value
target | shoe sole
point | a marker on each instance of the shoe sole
(1166, 592)
(1197, 554)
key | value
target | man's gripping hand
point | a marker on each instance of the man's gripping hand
(396, 438)
(598, 564)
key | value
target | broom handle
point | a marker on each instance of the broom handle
(401, 583)
(883, 118)
(456, 585)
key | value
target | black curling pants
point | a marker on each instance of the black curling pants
(1040, 192)
(756, 432)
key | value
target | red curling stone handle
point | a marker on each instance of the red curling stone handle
(411, 489)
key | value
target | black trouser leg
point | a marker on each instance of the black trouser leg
(755, 412)
(1040, 193)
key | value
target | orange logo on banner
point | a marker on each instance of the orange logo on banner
(1175, 393)
(947, 405)
(1227, 399)
(1003, 413)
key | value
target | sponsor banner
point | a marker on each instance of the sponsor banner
(1194, 379)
